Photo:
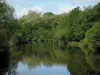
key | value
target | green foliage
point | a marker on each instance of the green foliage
(8, 23)
(74, 44)
(63, 29)
(48, 14)
(92, 39)
(35, 28)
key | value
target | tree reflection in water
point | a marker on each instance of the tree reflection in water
(34, 55)
(4, 61)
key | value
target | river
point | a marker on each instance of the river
(40, 59)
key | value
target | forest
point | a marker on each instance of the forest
(78, 29)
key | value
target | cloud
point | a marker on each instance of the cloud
(57, 10)
(65, 9)
(84, 1)
(51, 8)
(24, 11)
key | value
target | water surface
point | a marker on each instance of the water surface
(44, 60)
(41, 69)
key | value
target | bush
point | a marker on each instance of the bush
(93, 38)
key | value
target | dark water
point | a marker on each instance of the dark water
(44, 60)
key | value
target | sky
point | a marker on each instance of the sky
(56, 6)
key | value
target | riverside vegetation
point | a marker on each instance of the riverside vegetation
(76, 33)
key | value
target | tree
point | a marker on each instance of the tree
(8, 23)
(48, 14)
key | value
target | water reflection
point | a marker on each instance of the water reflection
(4, 61)
(40, 59)
(42, 70)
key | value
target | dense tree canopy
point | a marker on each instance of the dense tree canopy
(60, 29)
(8, 23)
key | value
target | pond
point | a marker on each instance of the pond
(40, 59)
